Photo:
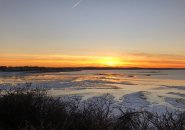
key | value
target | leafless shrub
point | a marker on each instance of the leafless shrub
(33, 109)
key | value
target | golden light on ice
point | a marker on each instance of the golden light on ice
(111, 61)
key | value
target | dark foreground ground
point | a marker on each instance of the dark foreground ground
(33, 109)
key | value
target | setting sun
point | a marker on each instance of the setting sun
(111, 61)
(103, 60)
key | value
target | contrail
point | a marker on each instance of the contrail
(77, 4)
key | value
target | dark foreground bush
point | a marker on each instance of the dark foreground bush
(26, 109)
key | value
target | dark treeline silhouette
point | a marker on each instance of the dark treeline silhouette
(64, 69)
(36, 69)
(33, 109)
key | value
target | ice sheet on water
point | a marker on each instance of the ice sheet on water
(141, 89)
(135, 100)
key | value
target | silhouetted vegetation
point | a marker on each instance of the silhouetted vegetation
(36, 69)
(33, 109)
(66, 69)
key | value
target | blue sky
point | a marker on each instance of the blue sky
(92, 27)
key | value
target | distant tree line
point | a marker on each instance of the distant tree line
(64, 69)
(36, 69)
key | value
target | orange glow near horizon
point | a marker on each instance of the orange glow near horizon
(93, 61)
(109, 33)
(111, 61)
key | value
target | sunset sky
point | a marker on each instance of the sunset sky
(101, 33)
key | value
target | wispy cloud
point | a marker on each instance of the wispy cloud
(77, 4)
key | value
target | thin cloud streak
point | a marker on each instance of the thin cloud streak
(77, 4)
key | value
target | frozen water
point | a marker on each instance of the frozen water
(137, 89)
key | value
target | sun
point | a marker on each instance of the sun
(111, 61)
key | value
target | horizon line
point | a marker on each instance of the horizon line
(91, 67)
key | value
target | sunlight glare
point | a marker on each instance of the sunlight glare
(111, 61)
